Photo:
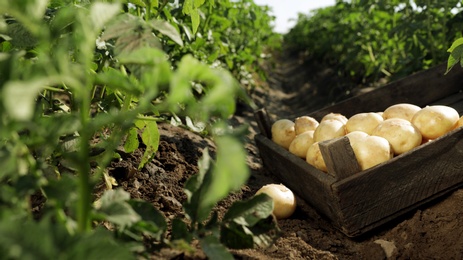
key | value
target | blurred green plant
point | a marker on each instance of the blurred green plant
(369, 40)
(72, 72)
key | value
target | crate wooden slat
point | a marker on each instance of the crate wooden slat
(360, 202)
(421, 89)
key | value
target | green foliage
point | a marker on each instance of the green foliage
(246, 223)
(456, 54)
(72, 72)
(369, 40)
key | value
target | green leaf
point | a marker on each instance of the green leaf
(131, 32)
(180, 231)
(167, 29)
(115, 208)
(131, 142)
(234, 236)
(230, 171)
(194, 189)
(456, 54)
(143, 56)
(221, 97)
(33, 8)
(214, 249)
(99, 244)
(193, 184)
(20, 36)
(116, 80)
(19, 97)
(249, 222)
(101, 13)
(195, 19)
(250, 211)
(46, 239)
(150, 137)
(154, 220)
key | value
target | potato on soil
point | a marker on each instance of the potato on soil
(370, 150)
(329, 129)
(305, 123)
(301, 144)
(435, 121)
(336, 116)
(284, 201)
(364, 122)
(283, 132)
(402, 110)
(401, 134)
(314, 157)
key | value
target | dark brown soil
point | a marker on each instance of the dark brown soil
(433, 232)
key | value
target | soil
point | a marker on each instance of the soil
(295, 86)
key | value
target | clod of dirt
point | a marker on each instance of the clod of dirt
(388, 247)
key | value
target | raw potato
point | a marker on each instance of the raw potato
(284, 201)
(403, 110)
(401, 134)
(305, 123)
(356, 136)
(336, 116)
(460, 122)
(329, 129)
(301, 144)
(314, 157)
(283, 132)
(364, 122)
(370, 150)
(435, 121)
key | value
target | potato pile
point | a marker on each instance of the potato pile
(375, 137)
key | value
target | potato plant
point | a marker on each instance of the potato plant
(71, 71)
(366, 41)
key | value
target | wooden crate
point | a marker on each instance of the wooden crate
(361, 202)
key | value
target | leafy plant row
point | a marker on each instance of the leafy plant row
(368, 40)
(72, 72)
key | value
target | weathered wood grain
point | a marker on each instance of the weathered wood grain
(421, 88)
(263, 122)
(402, 182)
(339, 158)
(303, 179)
(357, 203)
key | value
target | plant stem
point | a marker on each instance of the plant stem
(84, 191)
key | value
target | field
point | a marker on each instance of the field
(127, 127)
(432, 232)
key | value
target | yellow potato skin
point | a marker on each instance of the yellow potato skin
(284, 200)
(371, 151)
(329, 129)
(314, 157)
(305, 123)
(402, 110)
(435, 121)
(340, 117)
(301, 144)
(459, 122)
(365, 122)
(283, 132)
(400, 133)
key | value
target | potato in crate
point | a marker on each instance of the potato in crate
(385, 160)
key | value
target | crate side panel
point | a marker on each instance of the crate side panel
(307, 182)
(421, 88)
(401, 183)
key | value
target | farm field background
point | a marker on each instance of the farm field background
(127, 126)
